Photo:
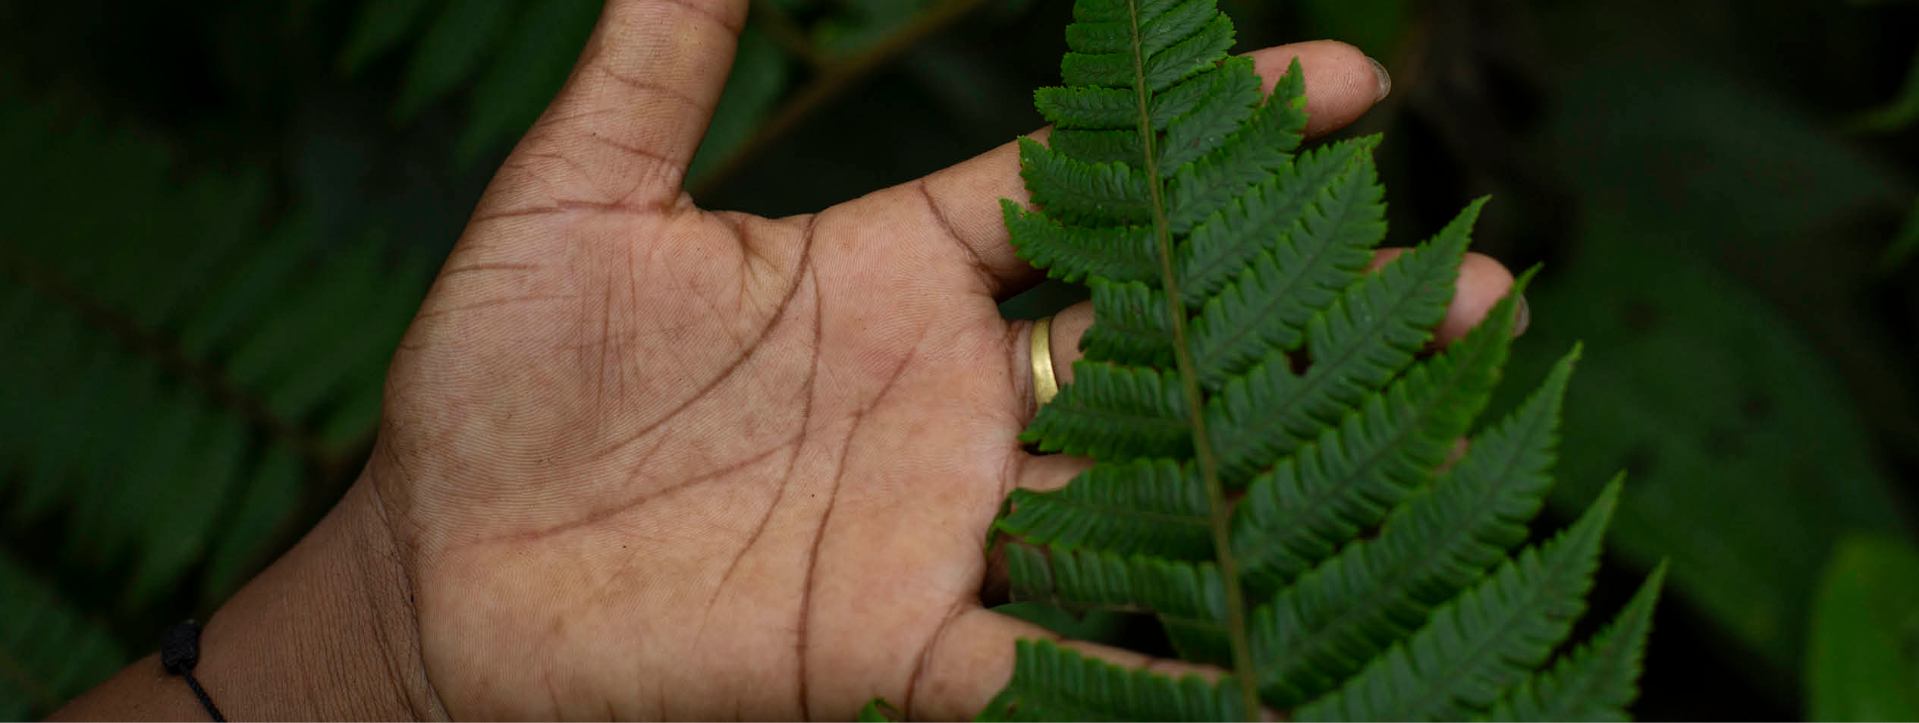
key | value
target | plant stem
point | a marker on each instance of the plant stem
(835, 76)
(1221, 515)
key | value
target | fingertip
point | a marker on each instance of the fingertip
(1050, 472)
(1342, 82)
(1383, 77)
(1482, 283)
(1384, 256)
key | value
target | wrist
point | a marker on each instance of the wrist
(327, 632)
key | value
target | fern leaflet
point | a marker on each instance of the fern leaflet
(1482, 642)
(1374, 592)
(1597, 681)
(1053, 683)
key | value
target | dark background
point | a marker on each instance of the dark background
(217, 217)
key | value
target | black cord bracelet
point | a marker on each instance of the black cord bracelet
(179, 653)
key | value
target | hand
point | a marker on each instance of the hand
(641, 460)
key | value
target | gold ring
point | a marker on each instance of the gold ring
(1045, 383)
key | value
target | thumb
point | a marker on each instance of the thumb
(623, 129)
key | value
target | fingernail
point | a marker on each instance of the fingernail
(1385, 78)
(1524, 318)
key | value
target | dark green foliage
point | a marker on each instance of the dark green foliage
(1726, 401)
(1863, 657)
(1905, 244)
(1360, 575)
(199, 383)
(503, 49)
(1724, 267)
(47, 650)
(211, 347)
(501, 61)
(1899, 113)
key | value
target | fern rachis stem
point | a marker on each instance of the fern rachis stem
(1221, 514)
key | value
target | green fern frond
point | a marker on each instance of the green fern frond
(1152, 507)
(1051, 683)
(1374, 592)
(1296, 515)
(1597, 681)
(1093, 108)
(1271, 301)
(1117, 254)
(1130, 326)
(1084, 192)
(1367, 336)
(1219, 99)
(1240, 345)
(1263, 146)
(1484, 642)
(1227, 96)
(1083, 579)
(1100, 146)
(1157, 48)
(1222, 248)
(1115, 413)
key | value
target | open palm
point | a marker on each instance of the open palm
(649, 461)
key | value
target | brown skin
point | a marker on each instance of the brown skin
(641, 460)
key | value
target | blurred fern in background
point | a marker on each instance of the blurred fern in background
(221, 216)
(187, 382)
